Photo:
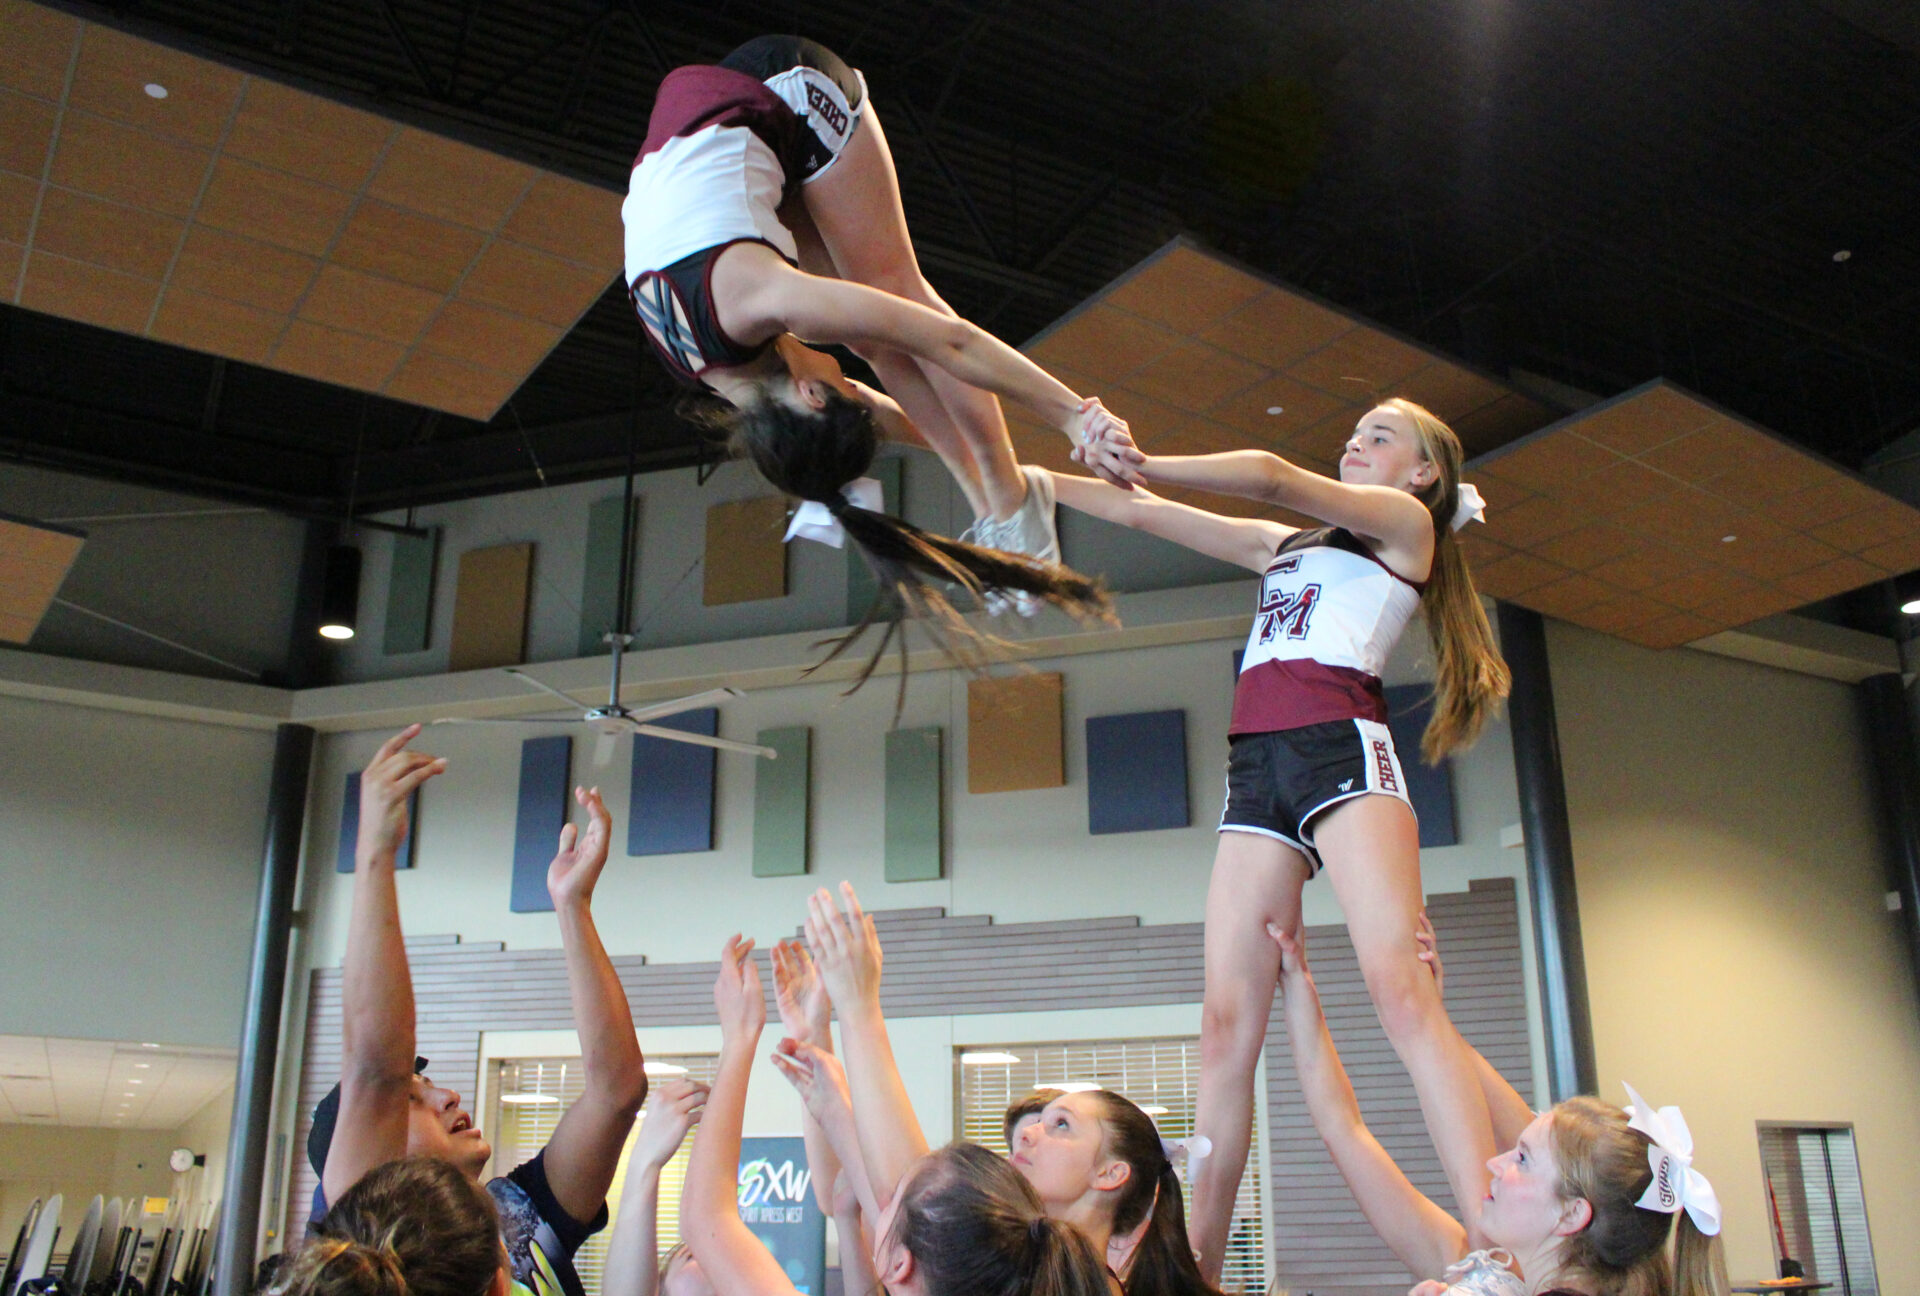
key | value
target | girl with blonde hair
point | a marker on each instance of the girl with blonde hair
(1313, 778)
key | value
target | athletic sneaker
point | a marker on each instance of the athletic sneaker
(1031, 530)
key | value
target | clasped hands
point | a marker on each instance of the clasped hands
(1103, 442)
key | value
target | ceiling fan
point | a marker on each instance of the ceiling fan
(613, 719)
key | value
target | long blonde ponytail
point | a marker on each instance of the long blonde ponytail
(1470, 679)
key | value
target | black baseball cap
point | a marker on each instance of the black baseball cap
(325, 1113)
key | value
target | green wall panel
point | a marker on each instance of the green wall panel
(913, 805)
(861, 586)
(781, 790)
(410, 593)
(600, 585)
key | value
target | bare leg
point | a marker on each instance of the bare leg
(898, 373)
(856, 207)
(1371, 847)
(1256, 881)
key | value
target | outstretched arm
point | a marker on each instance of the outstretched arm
(584, 1151)
(1382, 513)
(376, 1064)
(633, 1251)
(807, 1015)
(734, 1260)
(1510, 1112)
(822, 1085)
(1244, 542)
(1425, 1237)
(847, 952)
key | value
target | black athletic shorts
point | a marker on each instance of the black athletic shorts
(1278, 783)
(826, 94)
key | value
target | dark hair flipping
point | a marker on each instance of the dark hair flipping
(813, 454)
(413, 1227)
(1163, 1263)
(974, 1227)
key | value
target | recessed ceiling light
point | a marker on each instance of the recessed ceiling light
(528, 1100)
(1071, 1086)
(987, 1059)
(664, 1069)
(1843, 255)
(1728, 539)
(136, 1080)
(1154, 1111)
(149, 1046)
(1911, 607)
(141, 1065)
(155, 90)
(1276, 409)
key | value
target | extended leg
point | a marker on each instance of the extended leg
(1256, 881)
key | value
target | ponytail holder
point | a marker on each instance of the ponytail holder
(815, 521)
(1471, 508)
(1184, 1154)
(1676, 1185)
(1037, 1229)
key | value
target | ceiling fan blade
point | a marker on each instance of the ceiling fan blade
(701, 740)
(525, 678)
(654, 710)
(553, 721)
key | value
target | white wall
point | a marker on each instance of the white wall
(129, 869)
(1740, 959)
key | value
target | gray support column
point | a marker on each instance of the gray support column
(260, 1029)
(1890, 718)
(1549, 841)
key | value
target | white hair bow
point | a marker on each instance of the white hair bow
(1676, 1184)
(1471, 508)
(815, 521)
(1186, 1153)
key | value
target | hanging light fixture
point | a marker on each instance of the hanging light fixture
(1906, 593)
(340, 593)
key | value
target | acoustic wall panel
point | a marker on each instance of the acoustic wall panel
(746, 551)
(545, 766)
(490, 608)
(861, 586)
(410, 593)
(1137, 772)
(671, 806)
(1429, 787)
(1014, 737)
(600, 583)
(913, 805)
(34, 561)
(781, 800)
(350, 828)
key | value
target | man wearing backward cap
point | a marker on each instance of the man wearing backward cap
(385, 1107)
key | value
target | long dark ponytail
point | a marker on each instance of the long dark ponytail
(1163, 1263)
(813, 454)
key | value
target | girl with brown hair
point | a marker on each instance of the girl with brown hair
(956, 1222)
(1312, 776)
(1582, 1204)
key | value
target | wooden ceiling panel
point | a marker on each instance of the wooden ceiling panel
(1101, 341)
(1646, 568)
(1623, 615)
(287, 211)
(1588, 546)
(243, 270)
(557, 212)
(34, 560)
(26, 133)
(1278, 328)
(210, 214)
(489, 338)
(1674, 629)
(88, 293)
(1780, 556)
(305, 135)
(1720, 448)
(337, 356)
(455, 182)
(1455, 394)
(18, 197)
(112, 73)
(1147, 417)
(1507, 419)
(128, 166)
(126, 239)
(1629, 484)
(1516, 574)
(1638, 426)
(1556, 465)
(38, 49)
(1363, 366)
(1567, 597)
(1194, 376)
(1528, 522)
(363, 303)
(406, 246)
(1301, 407)
(533, 283)
(1186, 290)
(1875, 526)
(216, 325)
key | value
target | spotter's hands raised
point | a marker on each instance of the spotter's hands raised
(389, 779)
(737, 997)
(577, 865)
(805, 1010)
(845, 949)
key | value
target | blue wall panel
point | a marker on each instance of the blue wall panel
(671, 807)
(1429, 787)
(350, 828)
(1137, 772)
(545, 764)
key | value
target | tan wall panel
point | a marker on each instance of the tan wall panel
(1015, 739)
(490, 608)
(746, 555)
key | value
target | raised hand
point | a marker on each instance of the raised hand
(578, 863)
(1429, 944)
(818, 1077)
(386, 783)
(805, 1010)
(672, 1109)
(845, 948)
(737, 996)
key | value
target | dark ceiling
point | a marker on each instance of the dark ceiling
(1598, 193)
